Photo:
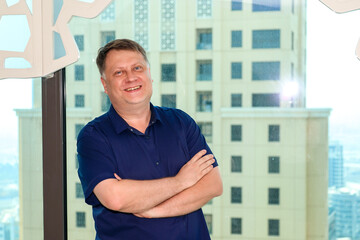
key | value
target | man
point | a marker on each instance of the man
(146, 170)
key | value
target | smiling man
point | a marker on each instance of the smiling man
(146, 170)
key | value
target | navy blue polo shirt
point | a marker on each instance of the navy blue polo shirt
(108, 145)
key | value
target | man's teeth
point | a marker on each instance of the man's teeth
(132, 89)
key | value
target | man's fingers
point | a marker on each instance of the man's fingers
(198, 155)
(117, 176)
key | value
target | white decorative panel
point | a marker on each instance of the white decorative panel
(204, 8)
(168, 9)
(141, 27)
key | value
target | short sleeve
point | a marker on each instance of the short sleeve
(95, 161)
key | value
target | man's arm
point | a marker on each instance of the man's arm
(189, 200)
(135, 196)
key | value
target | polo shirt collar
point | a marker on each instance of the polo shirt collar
(121, 125)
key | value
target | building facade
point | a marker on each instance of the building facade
(239, 69)
(336, 165)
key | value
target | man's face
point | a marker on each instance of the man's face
(126, 79)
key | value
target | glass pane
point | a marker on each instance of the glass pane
(21, 193)
(233, 76)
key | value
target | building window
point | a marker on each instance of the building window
(80, 219)
(107, 36)
(266, 100)
(266, 5)
(108, 14)
(204, 70)
(168, 10)
(79, 191)
(206, 130)
(236, 5)
(236, 70)
(204, 8)
(236, 195)
(236, 38)
(236, 226)
(208, 220)
(274, 164)
(79, 39)
(236, 133)
(274, 133)
(141, 20)
(236, 100)
(80, 101)
(204, 101)
(204, 39)
(266, 39)
(76, 161)
(273, 227)
(168, 100)
(79, 73)
(105, 102)
(274, 196)
(265, 71)
(168, 72)
(236, 164)
(78, 128)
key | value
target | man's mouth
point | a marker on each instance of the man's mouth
(132, 88)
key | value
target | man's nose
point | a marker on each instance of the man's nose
(131, 76)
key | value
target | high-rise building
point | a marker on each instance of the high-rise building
(233, 67)
(336, 165)
(346, 203)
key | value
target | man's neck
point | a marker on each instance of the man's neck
(137, 117)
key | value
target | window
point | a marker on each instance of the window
(266, 71)
(274, 196)
(108, 14)
(236, 226)
(204, 101)
(206, 130)
(236, 100)
(204, 70)
(236, 70)
(266, 39)
(236, 133)
(236, 195)
(79, 39)
(168, 100)
(168, 21)
(236, 39)
(76, 161)
(204, 39)
(273, 227)
(274, 165)
(107, 36)
(78, 128)
(79, 191)
(105, 102)
(208, 220)
(274, 133)
(79, 73)
(236, 164)
(266, 100)
(80, 219)
(168, 72)
(141, 18)
(79, 100)
(236, 5)
(266, 5)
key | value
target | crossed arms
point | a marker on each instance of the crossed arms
(195, 184)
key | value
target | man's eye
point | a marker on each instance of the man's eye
(137, 68)
(119, 73)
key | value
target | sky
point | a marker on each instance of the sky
(333, 80)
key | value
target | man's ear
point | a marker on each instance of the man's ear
(103, 81)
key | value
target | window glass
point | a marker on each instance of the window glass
(236, 100)
(236, 133)
(204, 39)
(266, 71)
(79, 100)
(266, 38)
(273, 227)
(266, 100)
(236, 5)
(80, 219)
(168, 72)
(204, 70)
(274, 165)
(274, 133)
(168, 100)
(274, 196)
(236, 70)
(236, 195)
(206, 130)
(236, 38)
(236, 164)
(266, 5)
(204, 8)
(79, 73)
(236, 225)
(79, 39)
(204, 101)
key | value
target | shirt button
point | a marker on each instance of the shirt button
(131, 129)
(147, 137)
(157, 163)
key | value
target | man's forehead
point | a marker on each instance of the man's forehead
(124, 58)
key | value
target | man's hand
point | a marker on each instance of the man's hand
(195, 169)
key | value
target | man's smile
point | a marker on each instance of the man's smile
(132, 88)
